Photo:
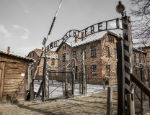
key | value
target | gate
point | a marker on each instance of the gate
(60, 84)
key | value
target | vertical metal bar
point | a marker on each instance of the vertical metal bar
(141, 74)
(84, 77)
(73, 81)
(44, 75)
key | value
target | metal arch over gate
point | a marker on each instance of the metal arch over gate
(112, 24)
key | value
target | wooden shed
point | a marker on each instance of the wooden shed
(13, 75)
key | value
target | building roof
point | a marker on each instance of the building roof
(139, 50)
(91, 38)
(51, 54)
(141, 43)
(16, 56)
(38, 51)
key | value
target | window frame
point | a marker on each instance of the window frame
(64, 57)
(93, 51)
(53, 61)
(94, 69)
(108, 70)
(107, 50)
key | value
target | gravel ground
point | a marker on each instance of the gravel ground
(95, 104)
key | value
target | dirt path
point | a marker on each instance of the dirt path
(92, 105)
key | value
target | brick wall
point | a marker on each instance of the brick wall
(64, 49)
(100, 60)
(35, 54)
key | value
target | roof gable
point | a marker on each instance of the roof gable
(67, 43)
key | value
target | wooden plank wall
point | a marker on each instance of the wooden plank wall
(12, 84)
(2, 66)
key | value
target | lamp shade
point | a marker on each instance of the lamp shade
(120, 7)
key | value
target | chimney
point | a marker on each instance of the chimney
(76, 39)
(82, 36)
(8, 49)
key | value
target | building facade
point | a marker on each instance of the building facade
(52, 58)
(147, 51)
(100, 57)
(141, 71)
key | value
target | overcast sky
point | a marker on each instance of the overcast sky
(24, 23)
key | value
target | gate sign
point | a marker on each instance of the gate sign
(95, 28)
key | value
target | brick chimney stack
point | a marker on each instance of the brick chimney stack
(82, 36)
(8, 49)
(76, 39)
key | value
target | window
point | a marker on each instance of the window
(74, 55)
(110, 38)
(107, 52)
(93, 69)
(76, 68)
(144, 59)
(53, 61)
(140, 58)
(33, 54)
(64, 47)
(93, 51)
(135, 58)
(115, 52)
(108, 70)
(64, 57)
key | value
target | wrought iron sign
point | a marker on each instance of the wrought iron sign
(95, 28)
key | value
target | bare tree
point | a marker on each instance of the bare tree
(141, 25)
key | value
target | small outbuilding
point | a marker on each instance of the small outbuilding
(13, 77)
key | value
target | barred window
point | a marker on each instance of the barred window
(74, 54)
(107, 51)
(115, 52)
(64, 57)
(53, 61)
(111, 39)
(93, 51)
(108, 70)
(134, 58)
(64, 47)
(93, 69)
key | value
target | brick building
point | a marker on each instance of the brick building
(141, 71)
(147, 50)
(52, 62)
(100, 56)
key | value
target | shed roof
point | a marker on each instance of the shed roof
(16, 56)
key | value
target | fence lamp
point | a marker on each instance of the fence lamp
(120, 8)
